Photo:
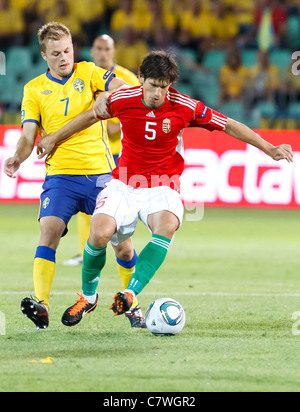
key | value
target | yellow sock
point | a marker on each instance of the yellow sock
(83, 228)
(126, 270)
(43, 273)
(125, 275)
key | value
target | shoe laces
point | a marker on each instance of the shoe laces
(136, 312)
(36, 300)
(78, 306)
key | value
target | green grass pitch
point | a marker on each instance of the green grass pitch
(236, 273)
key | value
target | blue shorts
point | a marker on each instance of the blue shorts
(66, 195)
(116, 159)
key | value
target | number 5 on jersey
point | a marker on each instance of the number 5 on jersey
(100, 203)
(149, 128)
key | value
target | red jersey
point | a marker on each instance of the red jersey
(152, 149)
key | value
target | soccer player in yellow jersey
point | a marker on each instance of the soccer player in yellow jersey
(103, 52)
(76, 171)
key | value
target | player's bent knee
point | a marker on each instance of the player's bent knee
(164, 223)
(99, 239)
(168, 230)
(101, 232)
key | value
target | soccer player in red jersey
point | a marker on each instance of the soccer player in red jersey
(146, 183)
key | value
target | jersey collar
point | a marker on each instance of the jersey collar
(153, 108)
(63, 81)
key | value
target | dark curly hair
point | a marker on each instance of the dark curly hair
(159, 65)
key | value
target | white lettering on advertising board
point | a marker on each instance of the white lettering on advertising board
(206, 177)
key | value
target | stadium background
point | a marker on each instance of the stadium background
(236, 272)
(204, 34)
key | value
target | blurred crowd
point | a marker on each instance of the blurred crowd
(228, 42)
(198, 24)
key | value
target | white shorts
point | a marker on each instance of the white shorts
(127, 204)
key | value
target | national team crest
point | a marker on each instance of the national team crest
(166, 126)
(46, 203)
(78, 85)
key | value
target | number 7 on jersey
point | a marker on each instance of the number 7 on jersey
(67, 104)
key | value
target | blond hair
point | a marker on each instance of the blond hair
(52, 31)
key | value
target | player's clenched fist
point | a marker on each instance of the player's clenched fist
(44, 146)
(283, 151)
(100, 106)
(11, 165)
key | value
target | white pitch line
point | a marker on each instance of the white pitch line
(25, 293)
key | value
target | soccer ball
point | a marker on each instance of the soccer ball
(165, 316)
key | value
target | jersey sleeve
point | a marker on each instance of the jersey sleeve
(30, 110)
(208, 118)
(100, 80)
(112, 105)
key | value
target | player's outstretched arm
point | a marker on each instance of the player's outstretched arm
(242, 132)
(47, 143)
(24, 149)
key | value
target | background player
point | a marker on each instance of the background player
(103, 52)
(77, 170)
(146, 183)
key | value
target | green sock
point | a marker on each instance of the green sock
(148, 262)
(93, 262)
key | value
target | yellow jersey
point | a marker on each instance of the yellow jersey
(51, 103)
(233, 81)
(130, 78)
(197, 25)
(270, 76)
(11, 21)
